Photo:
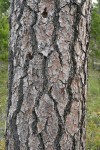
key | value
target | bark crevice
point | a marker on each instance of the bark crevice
(73, 69)
(13, 119)
(41, 145)
(34, 42)
(60, 124)
(56, 25)
(47, 70)
(34, 123)
(45, 80)
(11, 75)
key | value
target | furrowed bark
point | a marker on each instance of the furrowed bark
(47, 74)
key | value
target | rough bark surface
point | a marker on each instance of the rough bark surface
(47, 74)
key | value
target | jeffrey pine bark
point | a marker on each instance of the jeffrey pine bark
(47, 74)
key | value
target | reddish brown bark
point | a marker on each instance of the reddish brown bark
(47, 74)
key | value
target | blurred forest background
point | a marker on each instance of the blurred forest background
(93, 101)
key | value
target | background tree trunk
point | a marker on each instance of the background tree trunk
(47, 74)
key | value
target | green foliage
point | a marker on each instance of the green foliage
(4, 28)
(95, 31)
(4, 56)
(3, 33)
(4, 5)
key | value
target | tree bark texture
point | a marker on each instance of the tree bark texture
(47, 74)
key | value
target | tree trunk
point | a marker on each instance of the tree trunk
(47, 74)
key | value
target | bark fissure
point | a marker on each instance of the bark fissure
(56, 25)
(34, 43)
(41, 145)
(34, 123)
(11, 13)
(44, 72)
(27, 142)
(47, 74)
(60, 124)
(14, 117)
(72, 74)
(39, 95)
(26, 66)
(45, 80)
(74, 143)
(82, 125)
(82, 119)
(22, 6)
(11, 75)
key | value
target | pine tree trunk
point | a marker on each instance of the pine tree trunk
(47, 74)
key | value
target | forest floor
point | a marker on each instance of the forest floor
(93, 107)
